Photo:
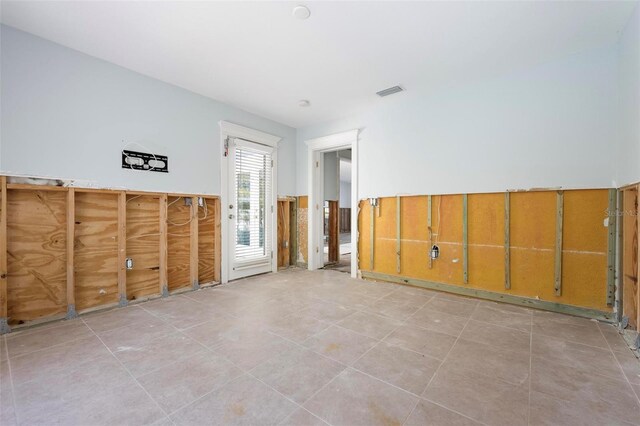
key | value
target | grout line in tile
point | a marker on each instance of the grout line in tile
(621, 369)
(13, 389)
(127, 370)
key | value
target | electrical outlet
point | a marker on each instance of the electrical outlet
(128, 263)
(200, 202)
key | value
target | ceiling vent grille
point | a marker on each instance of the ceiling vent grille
(389, 91)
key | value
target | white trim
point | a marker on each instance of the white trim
(316, 147)
(231, 130)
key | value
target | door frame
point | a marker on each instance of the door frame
(315, 175)
(232, 130)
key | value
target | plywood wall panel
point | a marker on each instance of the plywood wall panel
(143, 242)
(36, 251)
(206, 242)
(96, 249)
(178, 243)
(630, 257)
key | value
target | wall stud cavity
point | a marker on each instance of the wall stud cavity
(558, 259)
(507, 242)
(611, 245)
(465, 239)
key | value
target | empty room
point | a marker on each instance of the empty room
(342, 213)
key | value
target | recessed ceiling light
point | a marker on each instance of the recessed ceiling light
(301, 12)
(303, 103)
(389, 91)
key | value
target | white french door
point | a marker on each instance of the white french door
(250, 208)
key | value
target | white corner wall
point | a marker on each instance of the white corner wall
(331, 176)
(68, 115)
(345, 195)
(553, 125)
(628, 153)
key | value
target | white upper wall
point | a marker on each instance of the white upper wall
(553, 125)
(69, 115)
(628, 167)
(331, 176)
(345, 195)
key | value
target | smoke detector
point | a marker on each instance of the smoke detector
(303, 103)
(389, 91)
(301, 12)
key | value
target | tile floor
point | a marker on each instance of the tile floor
(316, 348)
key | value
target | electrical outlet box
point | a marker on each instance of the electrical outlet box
(200, 202)
(128, 263)
(187, 201)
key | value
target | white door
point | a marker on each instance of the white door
(250, 208)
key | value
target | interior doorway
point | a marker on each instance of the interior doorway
(320, 212)
(337, 210)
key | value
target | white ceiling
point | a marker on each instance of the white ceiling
(256, 56)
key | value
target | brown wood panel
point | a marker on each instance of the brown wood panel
(206, 242)
(630, 272)
(178, 243)
(122, 245)
(164, 254)
(284, 234)
(143, 241)
(345, 220)
(96, 249)
(3, 247)
(36, 250)
(334, 236)
(217, 252)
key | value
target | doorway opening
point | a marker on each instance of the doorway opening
(337, 210)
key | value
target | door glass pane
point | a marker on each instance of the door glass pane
(252, 190)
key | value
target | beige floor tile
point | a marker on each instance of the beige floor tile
(56, 359)
(400, 367)
(630, 366)
(251, 349)
(452, 307)
(355, 399)
(244, 401)
(302, 417)
(374, 326)
(479, 396)
(296, 327)
(327, 311)
(119, 317)
(399, 310)
(340, 344)
(128, 404)
(498, 336)
(493, 361)
(587, 333)
(221, 330)
(181, 312)
(3, 349)
(427, 413)
(614, 339)
(298, 373)
(438, 321)
(35, 339)
(135, 336)
(158, 353)
(545, 317)
(608, 395)
(582, 357)
(186, 380)
(456, 298)
(495, 316)
(425, 341)
(552, 411)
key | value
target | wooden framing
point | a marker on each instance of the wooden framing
(82, 237)
(430, 228)
(71, 220)
(333, 231)
(4, 325)
(611, 246)
(398, 233)
(630, 256)
(164, 253)
(558, 257)
(193, 240)
(284, 233)
(122, 248)
(507, 242)
(465, 239)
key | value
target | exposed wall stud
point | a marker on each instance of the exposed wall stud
(194, 246)
(430, 231)
(4, 321)
(507, 241)
(164, 254)
(372, 239)
(611, 245)
(465, 239)
(558, 259)
(122, 248)
(398, 214)
(71, 221)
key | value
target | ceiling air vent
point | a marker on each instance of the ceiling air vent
(389, 91)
